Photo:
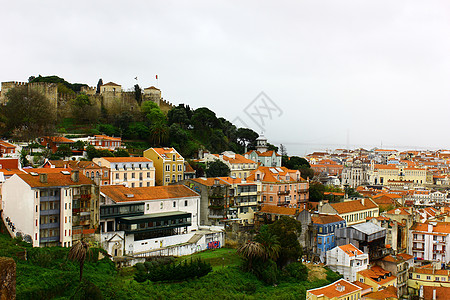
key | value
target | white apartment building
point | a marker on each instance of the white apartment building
(430, 241)
(347, 260)
(51, 209)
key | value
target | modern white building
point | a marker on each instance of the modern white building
(51, 209)
(347, 260)
(150, 221)
(430, 241)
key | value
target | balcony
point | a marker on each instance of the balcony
(438, 251)
(49, 212)
(282, 203)
(302, 191)
(418, 249)
(49, 239)
(49, 225)
(155, 222)
(283, 192)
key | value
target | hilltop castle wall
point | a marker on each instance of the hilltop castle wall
(114, 100)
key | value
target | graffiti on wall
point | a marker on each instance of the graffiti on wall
(214, 245)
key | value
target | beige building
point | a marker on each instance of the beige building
(240, 166)
(169, 165)
(244, 197)
(353, 212)
(131, 171)
(382, 174)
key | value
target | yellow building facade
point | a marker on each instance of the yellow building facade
(169, 165)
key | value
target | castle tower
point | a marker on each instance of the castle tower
(261, 143)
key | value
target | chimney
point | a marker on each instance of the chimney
(75, 175)
(43, 178)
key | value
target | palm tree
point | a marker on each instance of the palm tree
(269, 242)
(78, 252)
(252, 250)
(159, 132)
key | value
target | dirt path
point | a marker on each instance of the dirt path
(316, 272)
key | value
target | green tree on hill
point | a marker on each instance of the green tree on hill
(29, 114)
(217, 169)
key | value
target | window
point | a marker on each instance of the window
(174, 204)
(132, 175)
(148, 174)
(185, 203)
(125, 177)
(428, 277)
(418, 276)
(179, 168)
(435, 238)
(148, 183)
(167, 167)
(117, 175)
(271, 199)
(173, 178)
(174, 158)
(148, 206)
(179, 177)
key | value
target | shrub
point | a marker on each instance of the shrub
(298, 271)
(171, 272)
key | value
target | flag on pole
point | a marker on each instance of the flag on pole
(156, 76)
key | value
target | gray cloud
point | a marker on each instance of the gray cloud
(378, 70)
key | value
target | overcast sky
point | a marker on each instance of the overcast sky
(356, 72)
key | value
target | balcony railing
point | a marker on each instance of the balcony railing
(418, 249)
(283, 192)
(301, 191)
(49, 225)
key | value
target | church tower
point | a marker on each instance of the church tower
(261, 144)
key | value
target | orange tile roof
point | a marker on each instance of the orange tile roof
(350, 250)
(398, 211)
(364, 287)
(164, 151)
(398, 258)
(105, 137)
(189, 168)
(120, 193)
(375, 273)
(238, 159)
(9, 163)
(6, 144)
(388, 293)
(269, 176)
(58, 139)
(47, 170)
(152, 88)
(331, 291)
(127, 159)
(210, 181)
(110, 84)
(54, 179)
(232, 180)
(326, 219)
(442, 292)
(279, 210)
(352, 206)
